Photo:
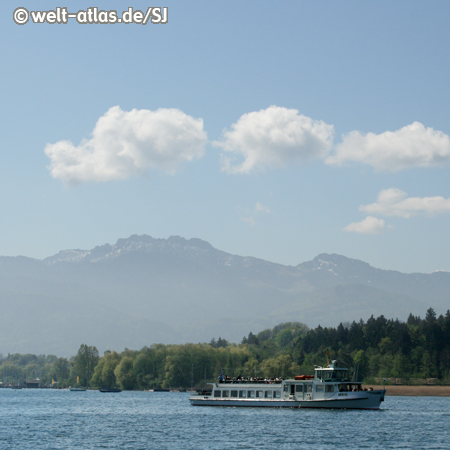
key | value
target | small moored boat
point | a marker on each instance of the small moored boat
(329, 387)
(110, 390)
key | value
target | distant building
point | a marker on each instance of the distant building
(33, 384)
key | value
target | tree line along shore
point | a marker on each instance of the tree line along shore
(380, 351)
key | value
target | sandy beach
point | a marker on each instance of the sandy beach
(440, 391)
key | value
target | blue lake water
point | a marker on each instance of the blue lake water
(60, 419)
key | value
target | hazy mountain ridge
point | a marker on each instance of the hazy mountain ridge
(193, 249)
(342, 270)
(143, 290)
(134, 244)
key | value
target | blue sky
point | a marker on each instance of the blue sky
(278, 130)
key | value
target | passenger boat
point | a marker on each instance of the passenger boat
(329, 387)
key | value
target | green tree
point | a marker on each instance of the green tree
(84, 363)
(61, 371)
(144, 371)
(124, 373)
(374, 364)
(401, 366)
(250, 368)
(361, 362)
(281, 366)
(149, 366)
(427, 365)
(288, 333)
(11, 373)
(104, 376)
(179, 366)
(385, 345)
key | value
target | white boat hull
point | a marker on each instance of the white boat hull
(371, 400)
(208, 401)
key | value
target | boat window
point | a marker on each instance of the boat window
(259, 394)
(276, 394)
(328, 374)
(299, 388)
(319, 388)
(234, 393)
(216, 393)
(329, 388)
(285, 388)
(308, 388)
(268, 394)
(250, 394)
(225, 394)
(242, 394)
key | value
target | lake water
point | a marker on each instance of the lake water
(60, 419)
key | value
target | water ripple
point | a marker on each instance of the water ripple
(53, 420)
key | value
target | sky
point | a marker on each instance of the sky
(279, 130)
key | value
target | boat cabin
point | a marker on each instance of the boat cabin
(330, 373)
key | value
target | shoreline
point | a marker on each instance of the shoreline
(415, 391)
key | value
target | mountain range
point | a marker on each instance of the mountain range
(143, 290)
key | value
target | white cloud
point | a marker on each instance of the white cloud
(273, 137)
(251, 216)
(395, 202)
(124, 144)
(411, 146)
(260, 208)
(370, 225)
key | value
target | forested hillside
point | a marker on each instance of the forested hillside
(143, 290)
(379, 348)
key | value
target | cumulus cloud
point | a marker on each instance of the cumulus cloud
(273, 137)
(370, 225)
(124, 144)
(395, 202)
(411, 146)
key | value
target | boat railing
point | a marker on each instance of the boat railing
(251, 381)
